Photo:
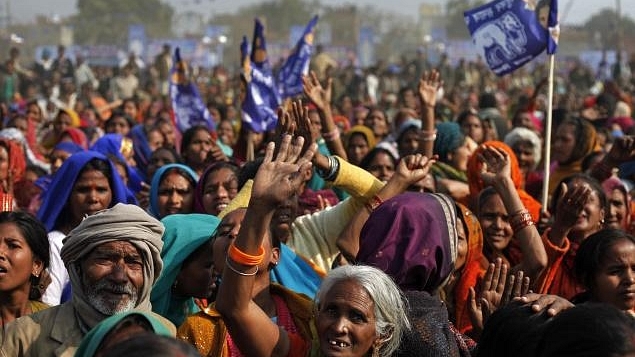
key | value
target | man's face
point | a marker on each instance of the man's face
(112, 277)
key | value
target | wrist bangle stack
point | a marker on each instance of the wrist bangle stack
(372, 204)
(243, 258)
(241, 273)
(6, 202)
(521, 220)
(332, 135)
(334, 169)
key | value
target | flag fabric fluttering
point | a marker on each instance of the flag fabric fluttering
(261, 99)
(554, 28)
(297, 64)
(509, 33)
(187, 105)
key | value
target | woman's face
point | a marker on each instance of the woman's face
(614, 283)
(62, 122)
(17, 262)
(357, 148)
(592, 216)
(168, 133)
(409, 142)
(175, 195)
(196, 277)
(4, 163)
(497, 232)
(382, 167)
(158, 159)
(564, 143)
(34, 113)
(473, 128)
(225, 132)
(196, 152)
(618, 210)
(461, 251)
(91, 194)
(155, 139)
(376, 121)
(118, 125)
(226, 232)
(346, 321)
(220, 187)
(524, 151)
(130, 109)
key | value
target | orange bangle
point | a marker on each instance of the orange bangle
(243, 258)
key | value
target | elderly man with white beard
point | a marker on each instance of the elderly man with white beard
(113, 259)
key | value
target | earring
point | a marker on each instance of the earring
(375, 351)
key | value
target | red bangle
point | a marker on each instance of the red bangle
(6, 202)
(520, 220)
(373, 203)
(243, 258)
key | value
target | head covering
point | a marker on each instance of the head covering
(365, 131)
(184, 233)
(55, 198)
(141, 147)
(122, 222)
(200, 185)
(93, 339)
(524, 134)
(613, 183)
(476, 184)
(449, 138)
(343, 121)
(409, 123)
(70, 148)
(156, 181)
(75, 121)
(76, 135)
(17, 162)
(413, 238)
(474, 268)
(17, 136)
(114, 145)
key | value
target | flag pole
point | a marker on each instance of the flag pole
(547, 156)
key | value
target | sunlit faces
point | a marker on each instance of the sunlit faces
(57, 158)
(494, 220)
(62, 122)
(473, 127)
(220, 187)
(409, 142)
(592, 216)
(17, 262)
(225, 132)
(155, 139)
(226, 232)
(91, 194)
(118, 125)
(346, 321)
(461, 155)
(198, 148)
(614, 283)
(175, 194)
(377, 122)
(112, 277)
(524, 151)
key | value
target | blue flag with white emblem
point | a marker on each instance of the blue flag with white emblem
(187, 105)
(554, 27)
(261, 98)
(297, 64)
(510, 33)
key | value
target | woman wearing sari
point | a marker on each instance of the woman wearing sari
(187, 265)
(172, 190)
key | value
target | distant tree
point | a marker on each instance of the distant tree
(456, 27)
(107, 21)
(602, 28)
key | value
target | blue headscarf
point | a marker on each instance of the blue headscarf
(141, 147)
(184, 233)
(156, 181)
(55, 198)
(110, 144)
(295, 273)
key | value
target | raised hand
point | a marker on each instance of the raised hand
(552, 303)
(623, 150)
(412, 169)
(429, 84)
(496, 165)
(300, 116)
(319, 95)
(279, 178)
(570, 204)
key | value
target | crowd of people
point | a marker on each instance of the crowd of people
(394, 211)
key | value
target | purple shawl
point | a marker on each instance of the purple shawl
(412, 237)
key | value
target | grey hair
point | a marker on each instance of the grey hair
(524, 134)
(391, 320)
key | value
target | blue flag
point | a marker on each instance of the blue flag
(554, 27)
(507, 33)
(189, 109)
(261, 99)
(297, 64)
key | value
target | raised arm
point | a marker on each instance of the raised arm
(411, 169)
(321, 97)
(497, 173)
(277, 179)
(623, 150)
(429, 85)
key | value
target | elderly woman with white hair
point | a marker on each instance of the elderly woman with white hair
(527, 146)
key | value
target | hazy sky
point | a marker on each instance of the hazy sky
(26, 10)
